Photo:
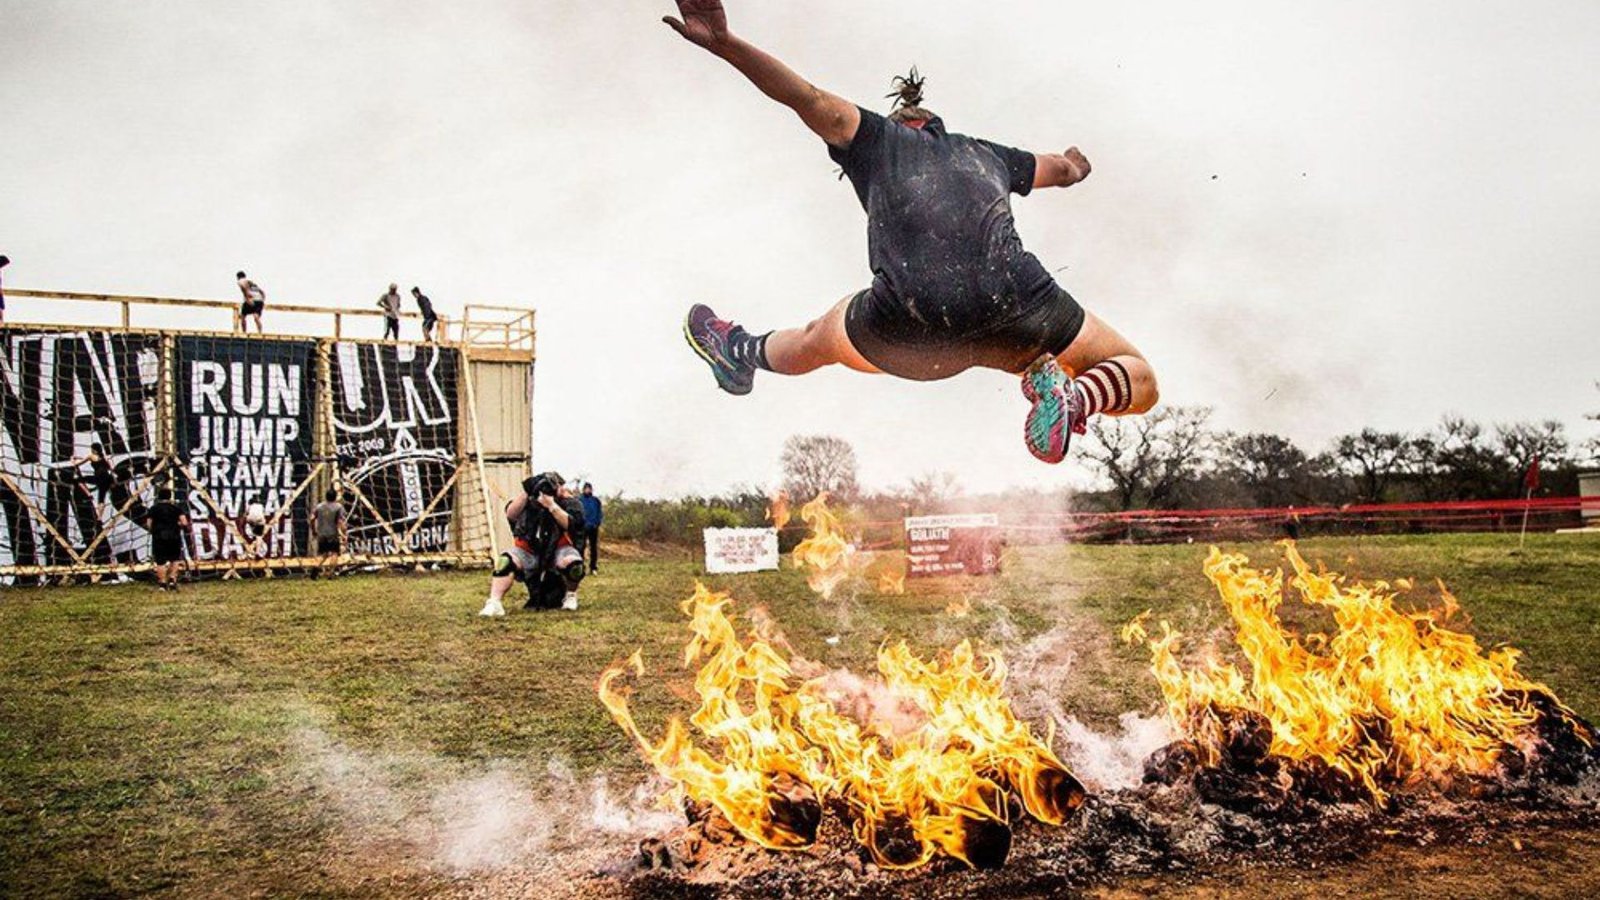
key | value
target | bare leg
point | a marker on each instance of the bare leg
(500, 585)
(1099, 342)
(823, 342)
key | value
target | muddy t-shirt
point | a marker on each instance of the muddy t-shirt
(946, 258)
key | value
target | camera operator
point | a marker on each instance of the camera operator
(547, 550)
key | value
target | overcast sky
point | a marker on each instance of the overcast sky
(1313, 216)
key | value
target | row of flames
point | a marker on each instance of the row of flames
(1388, 700)
(775, 749)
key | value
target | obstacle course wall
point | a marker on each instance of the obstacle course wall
(230, 422)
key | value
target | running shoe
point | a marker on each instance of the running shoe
(710, 337)
(1057, 411)
(492, 609)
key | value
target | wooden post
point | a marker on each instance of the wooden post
(477, 441)
(1527, 504)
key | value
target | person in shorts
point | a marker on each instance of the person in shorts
(167, 523)
(952, 286)
(390, 304)
(429, 317)
(255, 300)
(547, 547)
(329, 523)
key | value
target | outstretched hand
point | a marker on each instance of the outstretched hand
(1077, 163)
(704, 22)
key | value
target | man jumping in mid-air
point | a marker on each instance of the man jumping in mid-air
(952, 285)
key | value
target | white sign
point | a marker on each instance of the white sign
(953, 545)
(962, 520)
(734, 550)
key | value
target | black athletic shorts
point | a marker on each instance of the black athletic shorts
(252, 308)
(1046, 327)
(166, 550)
(328, 546)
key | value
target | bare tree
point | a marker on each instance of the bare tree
(1461, 464)
(1150, 459)
(1520, 443)
(816, 463)
(931, 490)
(1269, 467)
(1374, 460)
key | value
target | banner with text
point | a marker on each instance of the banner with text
(77, 445)
(395, 426)
(953, 545)
(736, 550)
(245, 408)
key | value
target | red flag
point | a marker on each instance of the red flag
(1531, 480)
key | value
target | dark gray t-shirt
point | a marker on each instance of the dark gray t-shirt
(327, 517)
(945, 255)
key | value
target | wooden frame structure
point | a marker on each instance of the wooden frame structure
(486, 335)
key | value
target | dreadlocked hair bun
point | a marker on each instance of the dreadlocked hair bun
(907, 97)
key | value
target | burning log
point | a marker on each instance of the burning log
(793, 806)
(1246, 736)
(1058, 791)
(1566, 746)
(986, 842)
(1391, 701)
(1177, 761)
(933, 768)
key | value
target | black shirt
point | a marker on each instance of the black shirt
(165, 520)
(945, 255)
(425, 306)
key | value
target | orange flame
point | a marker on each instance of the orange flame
(1389, 698)
(938, 785)
(778, 509)
(891, 582)
(825, 551)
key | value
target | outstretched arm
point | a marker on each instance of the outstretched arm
(705, 24)
(1060, 169)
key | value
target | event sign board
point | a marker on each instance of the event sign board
(952, 545)
(395, 432)
(60, 394)
(245, 408)
(736, 550)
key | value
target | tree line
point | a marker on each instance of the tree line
(1170, 459)
(1173, 459)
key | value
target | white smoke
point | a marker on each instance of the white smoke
(1111, 761)
(458, 817)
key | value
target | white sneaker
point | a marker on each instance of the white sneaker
(570, 603)
(493, 608)
(123, 579)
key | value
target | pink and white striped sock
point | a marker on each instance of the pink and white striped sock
(1104, 388)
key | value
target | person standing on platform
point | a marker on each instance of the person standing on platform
(255, 300)
(390, 304)
(593, 514)
(429, 317)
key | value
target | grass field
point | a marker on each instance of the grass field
(291, 737)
